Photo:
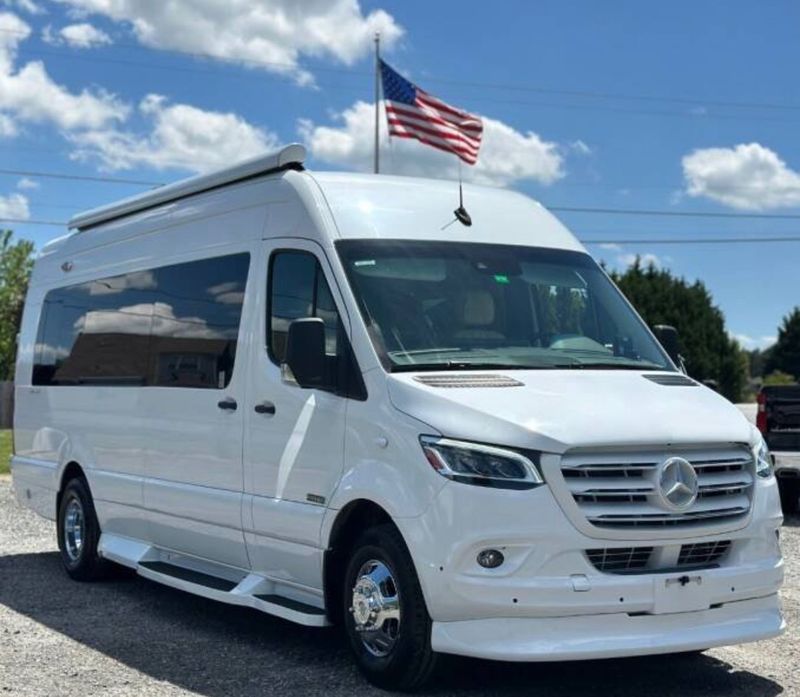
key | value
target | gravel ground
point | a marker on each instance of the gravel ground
(133, 637)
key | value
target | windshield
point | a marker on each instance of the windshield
(455, 305)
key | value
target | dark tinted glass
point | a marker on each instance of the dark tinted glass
(298, 289)
(439, 305)
(172, 326)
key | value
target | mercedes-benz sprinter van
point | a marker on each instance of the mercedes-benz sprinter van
(323, 397)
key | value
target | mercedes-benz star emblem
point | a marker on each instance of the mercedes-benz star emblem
(677, 483)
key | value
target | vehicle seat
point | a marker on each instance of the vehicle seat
(478, 317)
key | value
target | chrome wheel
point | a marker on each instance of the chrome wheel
(74, 529)
(376, 608)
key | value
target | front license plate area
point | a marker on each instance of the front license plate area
(681, 593)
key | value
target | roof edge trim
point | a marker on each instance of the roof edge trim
(289, 157)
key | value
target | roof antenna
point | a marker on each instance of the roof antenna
(460, 213)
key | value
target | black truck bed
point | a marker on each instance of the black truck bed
(780, 422)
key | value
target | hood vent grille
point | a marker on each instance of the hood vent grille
(473, 380)
(671, 380)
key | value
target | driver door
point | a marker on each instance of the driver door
(294, 437)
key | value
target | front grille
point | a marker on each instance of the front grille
(627, 560)
(703, 553)
(620, 560)
(621, 489)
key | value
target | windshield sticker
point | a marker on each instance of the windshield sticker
(501, 278)
(364, 262)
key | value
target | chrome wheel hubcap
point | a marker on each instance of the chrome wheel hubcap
(376, 608)
(74, 529)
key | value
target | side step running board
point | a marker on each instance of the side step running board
(196, 577)
(215, 582)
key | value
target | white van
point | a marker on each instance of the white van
(321, 396)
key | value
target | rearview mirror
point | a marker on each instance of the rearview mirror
(667, 336)
(305, 352)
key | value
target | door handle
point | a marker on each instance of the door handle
(229, 404)
(265, 408)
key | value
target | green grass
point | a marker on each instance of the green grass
(5, 451)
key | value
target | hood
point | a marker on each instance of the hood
(556, 410)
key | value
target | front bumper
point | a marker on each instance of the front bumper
(548, 602)
(609, 636)
(787, 464)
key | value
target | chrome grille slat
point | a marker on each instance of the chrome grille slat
(620, 489)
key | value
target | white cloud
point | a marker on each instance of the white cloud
(8, 129)
(271, 34)
(506, 155)
(182, 137)
(27, 184)
(645, 259)
(28, 6)
(158, 318)
(750, 343)
(623, 259)
(580, 148)
(747, 176)
(82, 35)
(30, 94)
(14, 206)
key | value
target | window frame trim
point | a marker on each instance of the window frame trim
(89, 278)
(345, 353)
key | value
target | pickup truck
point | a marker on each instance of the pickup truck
(778, 419)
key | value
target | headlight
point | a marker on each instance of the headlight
(484, 465)
(763, 461)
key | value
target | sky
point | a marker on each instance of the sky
(684, 107)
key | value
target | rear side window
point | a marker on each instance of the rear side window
(173, 326)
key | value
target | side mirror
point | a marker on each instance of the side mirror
(305, 352)
(668, 338)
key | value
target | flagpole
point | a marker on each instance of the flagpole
(377, 98)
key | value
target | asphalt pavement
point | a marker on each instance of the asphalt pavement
(129, 636)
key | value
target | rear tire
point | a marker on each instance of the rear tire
(385, 617)
(79, 533)
(790, 493)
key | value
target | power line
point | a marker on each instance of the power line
(697, 240)
(511, 87)
(28, 221)
(482, 98)
(674, 214)
(77, 177)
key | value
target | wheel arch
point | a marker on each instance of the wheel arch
(72, 470)
(358, 515)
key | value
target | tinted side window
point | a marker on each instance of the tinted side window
(298, 289)
(196, 312)
(172, 326)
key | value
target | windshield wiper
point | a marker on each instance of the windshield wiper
(613, 365)
(461, 365)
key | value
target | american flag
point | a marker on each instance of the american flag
(413, 113)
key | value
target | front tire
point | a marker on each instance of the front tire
(385, 616)
(790, 493)
(79, 533)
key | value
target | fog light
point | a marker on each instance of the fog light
(490, 558)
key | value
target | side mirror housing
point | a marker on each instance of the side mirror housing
(668, 338)
(305, 352)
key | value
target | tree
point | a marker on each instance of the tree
(710, 354)
(778, 378)
(785, 354)
(16, 263)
